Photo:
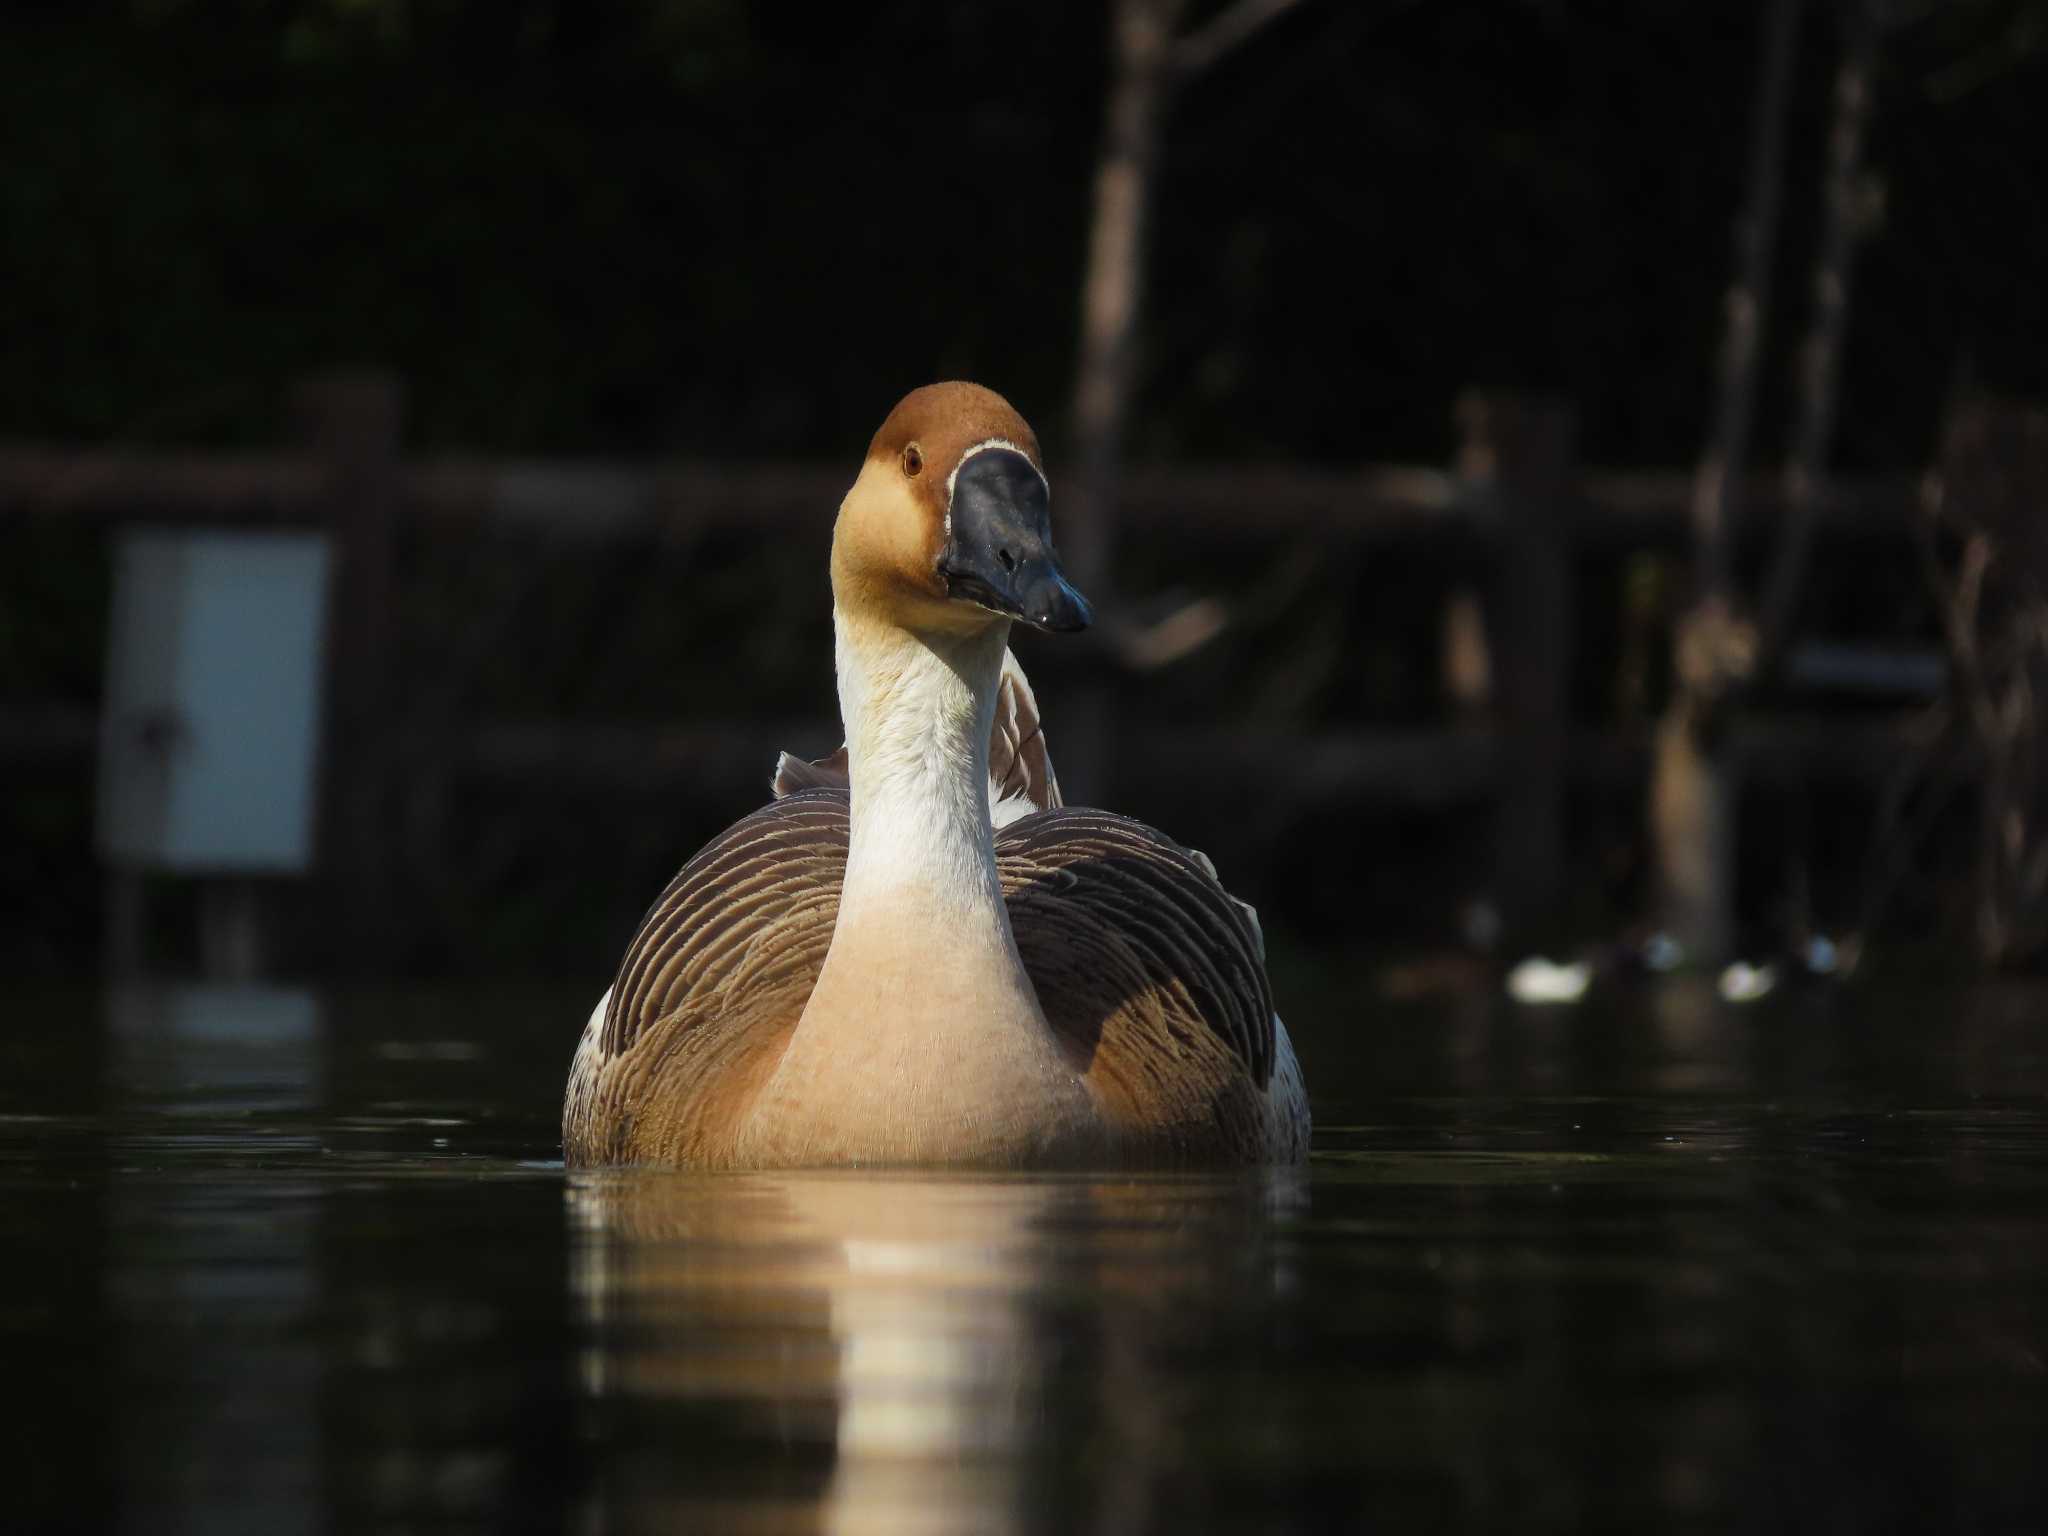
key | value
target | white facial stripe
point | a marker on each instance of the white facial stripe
(983, 447)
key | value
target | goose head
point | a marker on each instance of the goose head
(948, 528)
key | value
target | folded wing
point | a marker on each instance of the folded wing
(710, 988)
(1149, 967)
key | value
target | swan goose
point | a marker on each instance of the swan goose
(916, 954)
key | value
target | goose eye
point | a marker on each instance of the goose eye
(913, 460)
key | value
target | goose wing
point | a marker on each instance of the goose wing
(712, 984)
(1020, 775)
(1142, 959)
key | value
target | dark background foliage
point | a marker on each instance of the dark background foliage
(703, 229)
(721, 229)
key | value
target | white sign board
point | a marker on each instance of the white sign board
(210, 741)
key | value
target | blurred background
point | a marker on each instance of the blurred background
(1561, 483)
(1556, 477)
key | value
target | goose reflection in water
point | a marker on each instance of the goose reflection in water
(903, 1353)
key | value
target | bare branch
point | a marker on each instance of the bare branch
(1224, 33)
(1748, 301)
(1848, 206)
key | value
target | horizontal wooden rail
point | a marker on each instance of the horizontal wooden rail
(602, 501)
(1415, 764)
(1411, 764)
(169, 488)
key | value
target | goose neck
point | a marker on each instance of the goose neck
(918, 711)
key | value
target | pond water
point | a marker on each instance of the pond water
(281, 1261)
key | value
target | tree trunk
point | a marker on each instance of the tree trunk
(1691, 796)
(1848, 202)
(1142, 71)
(1746, 307)
(1113, 287)
(1692, 823)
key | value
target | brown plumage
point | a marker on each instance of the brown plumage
(918, 954)
(1148, 970)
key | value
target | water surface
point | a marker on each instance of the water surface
(281, 1261)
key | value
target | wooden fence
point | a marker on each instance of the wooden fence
(1515, 498)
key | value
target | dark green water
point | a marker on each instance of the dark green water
(278, 1262)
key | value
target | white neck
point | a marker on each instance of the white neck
(918, 714)
(923, 1039)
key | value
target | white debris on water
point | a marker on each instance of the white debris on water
(1745, 983)
(1542, 981)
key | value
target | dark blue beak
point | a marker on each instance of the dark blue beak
(1000, 552)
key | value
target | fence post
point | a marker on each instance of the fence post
(349, 423)
(1516, 455)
